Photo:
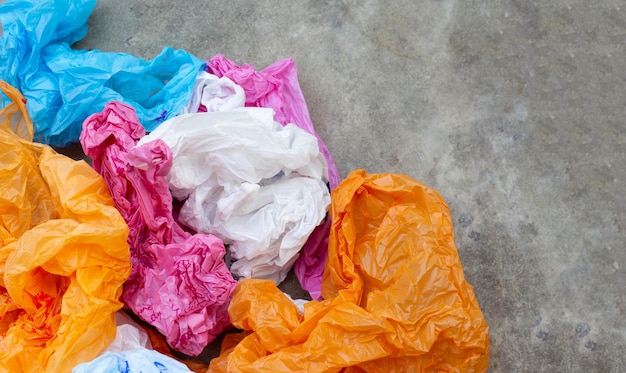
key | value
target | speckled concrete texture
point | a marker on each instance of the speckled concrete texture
(514, 110)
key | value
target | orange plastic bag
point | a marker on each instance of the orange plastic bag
(63, 254)
(396, 297)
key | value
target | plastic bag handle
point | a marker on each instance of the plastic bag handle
(14, 117)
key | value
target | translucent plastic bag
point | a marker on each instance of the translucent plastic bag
(63, 256)
(277, 87)
(257, 185)
(64, 86)
(179, 281)
(396, 297)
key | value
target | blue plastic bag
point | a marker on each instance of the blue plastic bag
(158, 89)
(28, 27)
(64, 86)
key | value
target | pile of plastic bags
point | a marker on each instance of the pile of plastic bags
(207, 185)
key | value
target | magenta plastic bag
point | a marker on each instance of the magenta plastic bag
(309, 268)
(179, 282)
(277, 87)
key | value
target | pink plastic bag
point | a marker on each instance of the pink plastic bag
(277, 87)
(179, 282)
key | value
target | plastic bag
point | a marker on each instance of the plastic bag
(63, 86)
(157, 89)
(179, 281)
(134, 361)
(11, 115)
(277, 87)
(63, 257)
(159, 344)
(211, 93)
(129, 335)
(309, 266)
(28, 27)
(131, 351)
(259, 186)
(396, 297)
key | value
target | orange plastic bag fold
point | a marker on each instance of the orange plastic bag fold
(63, 253)
(396, 299)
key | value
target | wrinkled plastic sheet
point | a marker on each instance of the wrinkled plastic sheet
(277, 87)
(63, 255)
(395, 295)
(64, 86)
(179, 281)
(259, 186)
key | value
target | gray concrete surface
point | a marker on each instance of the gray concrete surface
(514, 110)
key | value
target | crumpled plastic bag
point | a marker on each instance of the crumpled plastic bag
(64, 86)
(277, 87)
(179, 281)
(396, 296)
(257, 185)
(133, 361)
(63, 256)
(28, 27)
(211, 93)
(157, 89)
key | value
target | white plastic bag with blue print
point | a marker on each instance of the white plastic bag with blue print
(135, 361)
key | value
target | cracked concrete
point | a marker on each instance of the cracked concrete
(513, 110)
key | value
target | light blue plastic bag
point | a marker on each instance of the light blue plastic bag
(135, 361)
(28, 27)
(158, 89)
(64, 86)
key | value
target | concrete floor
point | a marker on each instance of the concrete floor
(514, 110)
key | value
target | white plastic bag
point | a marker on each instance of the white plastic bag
(129, 335)
(257, 185)
(211, 93)
(134, 361)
